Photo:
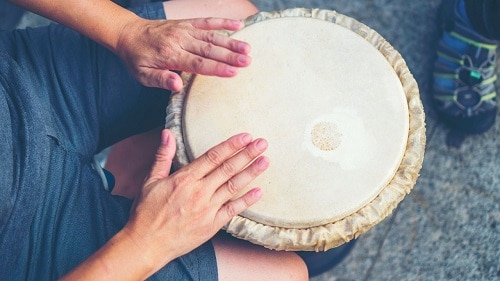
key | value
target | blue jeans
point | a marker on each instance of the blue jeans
(63, 98)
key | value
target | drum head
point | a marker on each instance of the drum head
(331, 106)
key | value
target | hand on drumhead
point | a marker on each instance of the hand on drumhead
(154, 49)
(176, 213)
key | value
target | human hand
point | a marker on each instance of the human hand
(177, 213)
(154, 49)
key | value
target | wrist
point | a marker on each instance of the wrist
(110, 25)
(135, 257)
(152, 252)
(127, 34)
(119, 259)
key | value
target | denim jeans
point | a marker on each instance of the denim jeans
(64, 98)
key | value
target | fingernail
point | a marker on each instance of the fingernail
(238, 24)
(242, 59)
(232, 70)
(243, 48)
(257, 192)
(164, 137)
(173, 84)
(261, 144)
(263, 163)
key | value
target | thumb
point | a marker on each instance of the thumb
(163, 78)
(164, 156)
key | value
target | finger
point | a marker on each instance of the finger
(164, 157)
(217, 23)
(215, 156)
(237, 183)
(211, 50)
(235, 207)
(199, 65)
(212, 68)
(173, 82)
(161, 78)
(222, 40)
(235, 165)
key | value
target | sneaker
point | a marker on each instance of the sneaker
(464, 93)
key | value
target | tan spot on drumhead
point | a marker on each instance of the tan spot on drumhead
(326, 136)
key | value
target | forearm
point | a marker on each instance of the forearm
(121, 258)
(100, 20)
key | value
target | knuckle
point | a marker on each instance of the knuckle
(162, 78)
(210, 37)
(234, 44)
(231, 210)
(171, 61)
(206, 50)
(232, 188)
(228, 169)
(197, 64)
(206, 21)
(234, 144)
(195, 199)
(249, 153)
(213, 157)
(162, 155)
(181, 179)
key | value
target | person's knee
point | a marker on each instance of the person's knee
(293, 267)
(233, 9)
(236, 9)
(241, 260)
(247, 8)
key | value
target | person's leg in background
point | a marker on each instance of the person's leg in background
(464, 91)
(129, 162)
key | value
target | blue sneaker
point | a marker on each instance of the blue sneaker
(464, 93)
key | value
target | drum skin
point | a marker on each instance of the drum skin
(342, 115)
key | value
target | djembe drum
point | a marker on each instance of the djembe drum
(341, 113)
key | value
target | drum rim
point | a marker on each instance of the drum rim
(333, 234)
